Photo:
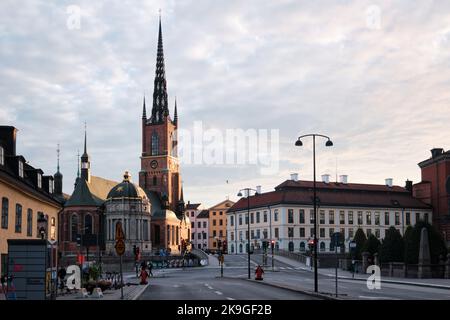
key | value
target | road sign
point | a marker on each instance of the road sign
(119, 231)
(120, 247)
(352, 244)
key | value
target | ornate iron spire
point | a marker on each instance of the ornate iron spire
(85, 140)
(78, 164)
(57, 156)
(144, 112)
(160, 107)
(175, 113)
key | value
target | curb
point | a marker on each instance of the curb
(425, 285)
(140, 292)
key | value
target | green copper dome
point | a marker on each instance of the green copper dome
(126, 189)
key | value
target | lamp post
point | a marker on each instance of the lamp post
(299, 143)
(248, 222)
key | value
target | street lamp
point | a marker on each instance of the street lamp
(248, 222)
(329, 143)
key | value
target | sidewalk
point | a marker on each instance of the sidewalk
(342, 274)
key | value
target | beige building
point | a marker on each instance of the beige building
(26, 195)
(217, 223)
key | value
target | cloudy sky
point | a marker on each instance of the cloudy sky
(373, 75)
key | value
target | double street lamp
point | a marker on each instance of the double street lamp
(247, 190)
(329, 143)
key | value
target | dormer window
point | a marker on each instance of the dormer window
(2, 156)
(85, 165)
(21, 168)
(39, 180)
(50, 186)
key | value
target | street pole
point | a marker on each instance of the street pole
(248, 223)
(315, 217)
(337, 261)
(121, 279)
(270, 228)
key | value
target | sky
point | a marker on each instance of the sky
(372, 75)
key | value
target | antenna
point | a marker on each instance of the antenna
(57, 156)
(336, 170)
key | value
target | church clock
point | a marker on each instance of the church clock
(154, 164)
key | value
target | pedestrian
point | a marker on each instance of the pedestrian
(150, 267)
(61, 275)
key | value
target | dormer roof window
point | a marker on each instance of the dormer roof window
(39, 180)
(21, 168)
(2, 156)
(50, 186)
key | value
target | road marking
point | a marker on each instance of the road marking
(381, 298)
(289, 268)
(228, 298)
(218, 292)
(282, 268)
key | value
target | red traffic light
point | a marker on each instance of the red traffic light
(273, 241)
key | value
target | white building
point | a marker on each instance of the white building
(192, 210)
(202, 230)
(286, 215)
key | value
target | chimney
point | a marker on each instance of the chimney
(8, 136)
(409, 186)
(326, 178)
(258, 189)
(388, 182)
(294, 176)
(343, 178)
(436, 152)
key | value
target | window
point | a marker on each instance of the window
(214, 244)
(2, 156)
(39, 180)
(220, 213)
(88, 224)
(350, 217)
(360, 218)
(397, 218)
(257, 217)
(386, 218)
(192, 213)
(425, 217)
(155, 180)
(252, 218)
(311, 216)
(368, 218)
(220, 222)
(408, 218)
(322, 232)
(377, 233)
(265, 216)
(20, 169)
(301, 216)
(5, 207)
(18, 228)
(214, 222)
(145, 226)
(330, 232)
(204, 224)
(204, 235)
(252, 234)
(331, 216)
(302, 232)
(199, 224)
(192, 225)
(417, 217)
(265, 234)
(240, 219)
(341, 217)
(246, 219)
(302, 247)
(290, 232)
(74, 228)
(29, 222)
(232, 221)
(275, 215)
(276, 232)
(214, 233)
(322, 216)
(199, 236)
(350, 233)
(232, 236)
(193, 235)
(214, 213)
(155, 144)
(240, 235)
(258, 234)
(322, 246)
(368, 232)
(220, 233)
(311, 232)
(291, 246)
(290, 215)
(377, 218)
(51, 186)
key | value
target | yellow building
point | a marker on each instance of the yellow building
(25, 195)
(218, 224)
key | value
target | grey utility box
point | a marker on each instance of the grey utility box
(32, 264)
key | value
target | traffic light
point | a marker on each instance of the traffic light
(272, 244)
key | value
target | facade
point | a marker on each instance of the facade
(192, 211)
(83, 214)
(202, 230)
(128, 204)
(286, 215)
(434, 189)
(218, 225)
(29, 201)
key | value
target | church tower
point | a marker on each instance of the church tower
(159, 159)
(85, 162)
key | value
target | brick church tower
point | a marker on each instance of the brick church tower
(159, 159)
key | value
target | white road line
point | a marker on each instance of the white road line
(228, 298)
(218, 292)
(282, 268)
(378, 298)
(289, 268)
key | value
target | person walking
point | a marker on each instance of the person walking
(150, 268)
(62, 275)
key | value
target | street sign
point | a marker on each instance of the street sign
(120, 247)
(352, 244)
(119, 231)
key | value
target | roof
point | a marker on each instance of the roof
(192, 206)
(90, 194)
(164, 214)
(100, 187)
(332, 194)
(224, 204)
(126, 189)
(155, 201)
(437, 154)
(203, 214)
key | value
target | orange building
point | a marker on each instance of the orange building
(218, 224)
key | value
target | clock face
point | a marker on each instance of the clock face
(154, 164)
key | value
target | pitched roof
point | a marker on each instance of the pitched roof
(90, 194)
(203, 214)
(331, 194)
(222, 204)
(192, 206)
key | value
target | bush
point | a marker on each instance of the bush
(392, 247)
(360, 239)
(412, 243)
(372, 245)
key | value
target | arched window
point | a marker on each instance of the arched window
(155, 144)
(232, 248)
(5, 207)
(88, 224)
(74, 228)
(240, 248)
(322, 246)
(29, 222)
(155, 180)
(302, 247)
(291, 246)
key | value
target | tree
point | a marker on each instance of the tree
(360, 239)
(372, 245)
(412, 243)
(392, 247)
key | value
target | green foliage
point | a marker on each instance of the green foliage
(372, 245)
(94, 272)
(412, 243)
(360, 239)
(392, 247)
